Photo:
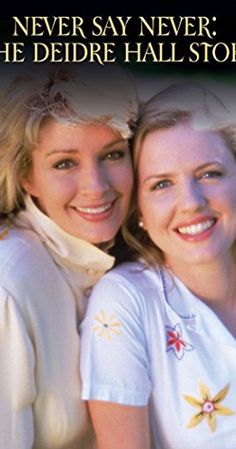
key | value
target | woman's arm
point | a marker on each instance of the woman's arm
(17, 387)
(115, 364)
(120, 426)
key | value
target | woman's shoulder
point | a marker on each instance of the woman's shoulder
(16, 239)
(132, 271)
(131, 291)
(20, 249)
(135, 278)
(27, 271)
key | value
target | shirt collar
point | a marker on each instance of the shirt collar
(197, 316)
(179, 298)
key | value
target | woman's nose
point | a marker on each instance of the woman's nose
(93, 181)
(192, 196)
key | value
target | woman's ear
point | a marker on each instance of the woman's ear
(28, 185)
(141, 223)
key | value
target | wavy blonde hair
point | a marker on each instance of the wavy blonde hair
(70, 95)
(177, 103)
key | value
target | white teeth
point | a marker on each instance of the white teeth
(197, 228)
(94, 210)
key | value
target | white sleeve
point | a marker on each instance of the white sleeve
(17, 387)
(114, 357)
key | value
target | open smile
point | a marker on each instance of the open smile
(96, 213)
(195, 232)
(198, 228)
(95, 209)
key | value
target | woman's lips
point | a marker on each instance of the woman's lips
(198, 230)
(96, 213)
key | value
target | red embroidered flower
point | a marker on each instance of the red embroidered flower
(175, 341)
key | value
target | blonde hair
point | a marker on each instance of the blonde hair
(177, 103)
(70, 95)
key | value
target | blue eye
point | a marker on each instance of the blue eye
(65, 164)
(163, 184)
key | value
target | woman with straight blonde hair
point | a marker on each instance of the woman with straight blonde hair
(158, 341)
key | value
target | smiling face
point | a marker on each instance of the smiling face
(187, 194)
(81, 177)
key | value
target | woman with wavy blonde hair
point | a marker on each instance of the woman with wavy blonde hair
(65, 184)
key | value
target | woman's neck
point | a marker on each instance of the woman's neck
(214, 283)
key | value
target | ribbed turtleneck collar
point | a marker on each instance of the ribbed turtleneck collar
(69, 249)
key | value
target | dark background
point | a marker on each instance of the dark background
(225, 13)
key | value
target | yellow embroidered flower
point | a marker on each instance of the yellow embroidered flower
(208, 407)
(107, 325)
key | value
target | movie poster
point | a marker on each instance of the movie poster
(159, 44)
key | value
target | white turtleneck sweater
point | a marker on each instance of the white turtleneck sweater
(46, 276)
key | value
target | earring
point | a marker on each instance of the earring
(140, 223)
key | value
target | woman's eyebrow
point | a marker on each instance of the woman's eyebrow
(158, 176)
(77, 150)
(62, 150)
(171, 175)
(115, 142)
